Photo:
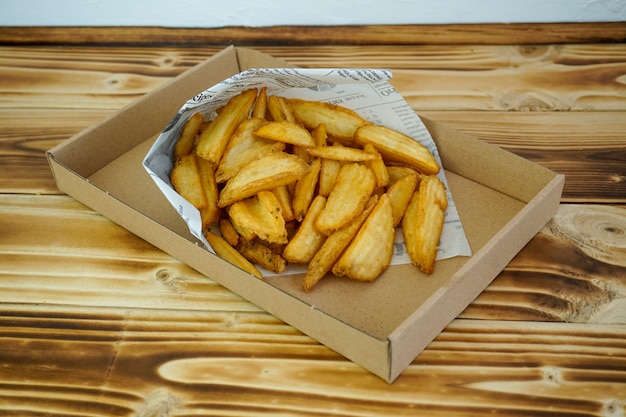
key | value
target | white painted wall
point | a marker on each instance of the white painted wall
(258, 13)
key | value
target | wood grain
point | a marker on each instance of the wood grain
(95, 321)
(526, 99)
(518, 33)
(168, 363)
(187, 345)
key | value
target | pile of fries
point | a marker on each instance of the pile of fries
(299, 181)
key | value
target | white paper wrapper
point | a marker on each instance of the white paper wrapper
(367, 91)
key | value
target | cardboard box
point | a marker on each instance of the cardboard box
(503, 201)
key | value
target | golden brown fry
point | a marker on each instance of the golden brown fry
(280, 110)
(230, 254)
(307, 239)
(259, 216)
(333, 247)
(422, 223)
(187, 181)
(214, 139)
(328, 175)
(320, 135)
(370, 252)
(243, 147)
(377, 166)
(343, 153)
(396, 146)
(228, 232)
(187, 138)
(210, 213)
(260, 106)
(266, 172)
(396, 172)
(304, 192)
(354, 185)
(341, 122)
(257, 253)
(284, 199)
(400, 194)
(286, 132)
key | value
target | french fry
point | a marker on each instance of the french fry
(341, 122)
(400, 194)
(214, 139)
(423, 222)
(396, 146)
(259, 254)
(397, 172)
(259, 216)
(333, 247)
(186, 141)
(286, 132)
(284, 199)
(343, 153)
(307, 240)
(244, 146)
(328, 175)
(210, 213)
(230, 254)
(228, 231)
(260, 106)
(378, 167)
(370, 252)
(304, 192)
(354, 185)
(187, 181)
(266, 172)
(280, 110)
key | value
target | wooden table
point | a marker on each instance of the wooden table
(94, 320)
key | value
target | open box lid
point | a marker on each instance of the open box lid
(503, 201)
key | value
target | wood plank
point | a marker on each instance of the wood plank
(439, 34)
(477, 77)
(589, 149)
(75, 256)
(173, 362)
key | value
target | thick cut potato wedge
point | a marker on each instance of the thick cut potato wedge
(400, 194)
(214, 139)
(244, 146)
(369, 253)
(423, 222)
(286, 132)
(304, 192)
(228, 231)
(259, 254)
(333, 247)
(354, 185)
(343, 153)
(223, 249)
(307, 239)
(187, 181)
(341, 122)
(260, 106)
(259, 216)
(396, 146)
(328, 175)
(378, 167)
(210, 213)
(266, 172)
(187, 139)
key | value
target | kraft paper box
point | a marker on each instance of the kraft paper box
(502, 201)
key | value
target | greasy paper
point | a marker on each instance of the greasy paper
(366, 91)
